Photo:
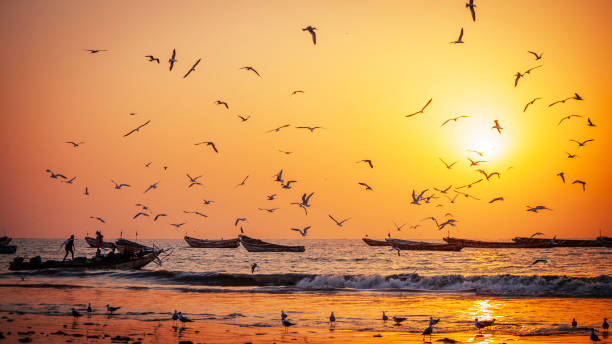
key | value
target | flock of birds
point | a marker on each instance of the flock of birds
(420, 197)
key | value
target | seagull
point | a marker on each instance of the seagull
(147, 164)
(530, 103)
(339, 223)
(240, 219)
(537, 57)
(208, 143)
(433, 321)
(384, 316)
(443, 190)
(271, 210)
(193, 179)
(312, 129)
(158, 216)
(279, 177)
(539, 261)
(183, 318)
(367, 187)
(86, 193)
(278, 129)
(474, 151)
(574, 323)
(152, 186)
(175, 316)
(472, 11)
(559, 101)
(466, 195)
(368, 161)
(195, 212)
(253, 267)
(243, 118)
(496, 199)
(580, 182)
(192, 69)
(296, 92)
(399, 228)
(434, 220)
(528, 71)
(271, 197)
(422, 109)
(220, 102)
(89, 310)
(429, 329)
(605, 324)
(75, 314)
(286, 323)
(594, 337)
(484, 323)
(140, 213)
(488, 176)
(75, 144)
(177, 225)
(243, 181)
(303, 231)
(567, 117)
(449, 222)
(283, 314)
(97, 218)
(70, 180)
(332, 318)
(285, 152)
(137, 128)
(55, 175)
(312, 33)
(447, 165)
(251, 69)
(475, 163)
(152, 58)
(398, 320)
(536, 233)
(119, 186)
(518, 76)
(459, 39)
(417, 199)
(172, 59)
(537, 208)
(590, 124)
(571, 156)
(577, 97)
(580, 144)
(144, 207)
(415, 226)
(110, 309)
(454, 119)
(288, 184)
(95, 51)
(208, 202)
(496, 126)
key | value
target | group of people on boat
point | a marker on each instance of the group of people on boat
(69, 246)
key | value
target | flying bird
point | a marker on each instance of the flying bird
(368, 161)
(489, 175)
(453, 119)
(580, 144)
(97, 218)
(459, 40)
(312, 129)
(95, 51)
(271, 197)
(152, 186)
(580, 182)
(367, 187)
(285, 152)
(562, 175)
(195, 212)
(193, 179)
(528, 71)
(251, 69)
(55, 175)
(339, 223)
(137, 128)
(311, 29)
(240, 219)
(471, 6)
(271, 210)
(530, 103)
(70, 180)
(139, 214)
(475, 163)
(287, 185)
(496, 199)
(535, 234)
(571, 156)
(220, 102)
(152, 58)
(417, 199)
(177, 225)
(278, 129)
(474, 151)
(589, 123)
(537, 57)
(243, 181)
(119, 186)
(158, 216)
(469, 185)
(422, 109)
(279, 177)
(207, 202)
(75, 144)
(575, 97)
(173, 59)
(497, 126)
(296, 92)
(244, 118)
(443, 190)
(208, 143)
(447, 165)
(537, 208)
(192, 69)
(567, 117)
(518, 76)
(303, 231)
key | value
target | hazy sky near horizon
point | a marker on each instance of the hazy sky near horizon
(374, 62)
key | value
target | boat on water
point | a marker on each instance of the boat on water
(372, 242)
(92, 242)
(560, 242)
(605, 241)
(495, 244)
(8, 249)
(256, 245)
(203, 243)
(110, 261)
(4, 240)
(423, 246)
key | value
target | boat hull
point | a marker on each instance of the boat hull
(426, 246)
(8, 249)
(256, 245)
(494, 244)
(201, 243)
(92, 242)
(372, 242)
(83, 263)
(560, 242)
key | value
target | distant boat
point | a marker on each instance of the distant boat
(92, 242)
(495, 244)
(560, 242)
(118, 262)
(202, 243)
(376, 242)
(423, 246)
(8, 249)
(4, 240)
(256, 245)
(605, 241)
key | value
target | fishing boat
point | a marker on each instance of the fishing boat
(605, 241)
(202, 243)
(111, 261)
(4, 240)
(495, 244)
(372, 242)
(256, 245)
(404, 242)
(8, 249)
(92, 242)
(554, 242)
(425, 246)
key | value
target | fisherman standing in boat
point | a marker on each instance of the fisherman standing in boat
(69, 246)
(99, 242)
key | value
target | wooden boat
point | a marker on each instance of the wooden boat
(111, 261)
(125, 246)
(202, 243)
(404, 242)
(425, 246)
(372, 242)
(494, 244)
(256, 245)
(605, 241)
(8, 249)
(4, 240)
(554, 242)
(92, 242)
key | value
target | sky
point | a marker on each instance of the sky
(373, 64)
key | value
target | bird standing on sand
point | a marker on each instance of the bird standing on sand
(75, 314)
(286, 323)
(332, 318)
(253, 267)
(175, 316)
(483, 323)
(594, 337)
(574, 323)
(428, 332)
(398, 320)
(384, 316)
(89, 310)
(110, 309)
(183, 318)
(311, 29)
(605, 325)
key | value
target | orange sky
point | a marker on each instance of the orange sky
(373, 64)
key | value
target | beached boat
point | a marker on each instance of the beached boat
(425, 246)
(202, 243)
(256, 245)
(112, 261)
(8, 249)
(4, 240)
(554, 242)
(495, 244)
(92, 242)
(372, 242)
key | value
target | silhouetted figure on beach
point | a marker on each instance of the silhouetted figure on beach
(69, 246)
